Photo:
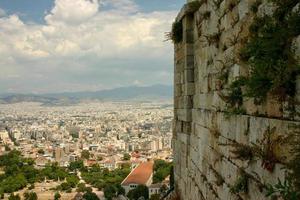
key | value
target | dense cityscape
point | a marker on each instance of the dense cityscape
(91, 135)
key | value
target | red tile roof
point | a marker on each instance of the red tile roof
(139, 175)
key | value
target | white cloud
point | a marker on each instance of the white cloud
(72, 11)
(80, 39)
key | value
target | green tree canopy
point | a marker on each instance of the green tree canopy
(57, 196)
(126, 156)
(30, 196)
(110, 192)
(90, 196)
(139, 191)
(41, 151)
(85, 154)
(162, 169)
(76, 165)
(14, 197)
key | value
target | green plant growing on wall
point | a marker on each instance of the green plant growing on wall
(270, 56)
(235, 98)
(223, 77)
(284, 189)
(265, 150)
(255, 5)
(217, 3)
(242, 151)
(241, 184)
(289, 189)
(176, 33)
(213, 39)
(206, 15)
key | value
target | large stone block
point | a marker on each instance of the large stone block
(184, 115)
(203, 101)
(188, 89)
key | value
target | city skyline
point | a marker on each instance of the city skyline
(80, 45)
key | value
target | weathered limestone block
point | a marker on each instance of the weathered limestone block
(230, 19)
(217, 102)
(257, 128)
(250, 106)
(201, 86)
(203, 117)
(255, 168)
(274, 108)
(179, 66)
(187, 102)
(177, 90)
(255, 190)
(229, 172)
(203, 101)
(244, 8)
(204, 54)
(188, 89)
(189, 75)
(267, 8)
(226, 58)
(233, 127)
(177, 79)
(184, 115)
(210, 26)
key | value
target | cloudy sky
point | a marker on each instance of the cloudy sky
(80, 45)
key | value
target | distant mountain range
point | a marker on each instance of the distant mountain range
(147, 93)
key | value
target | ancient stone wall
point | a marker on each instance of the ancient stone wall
(205, 133)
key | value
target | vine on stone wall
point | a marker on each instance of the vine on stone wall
(289, 189)
(241, 184)
(273, 68)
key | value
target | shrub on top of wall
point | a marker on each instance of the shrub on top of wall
(176, 33)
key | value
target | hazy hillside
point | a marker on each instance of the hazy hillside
(125, 93)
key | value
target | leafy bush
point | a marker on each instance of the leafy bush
(30, 196)
(162, 169)
(241, 185)
(176, 33)
(139, 191)
(269, 54)
(283, 189)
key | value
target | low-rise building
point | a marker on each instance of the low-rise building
(141, 175)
